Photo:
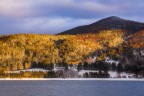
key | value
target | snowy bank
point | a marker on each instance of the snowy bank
(98, 79)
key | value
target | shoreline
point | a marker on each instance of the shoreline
(74, 79)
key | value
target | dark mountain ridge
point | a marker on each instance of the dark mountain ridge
(110, 23)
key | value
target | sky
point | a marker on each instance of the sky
(54, 16)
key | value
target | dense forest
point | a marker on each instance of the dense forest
(24, 51)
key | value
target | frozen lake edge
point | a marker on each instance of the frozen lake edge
(101, 79)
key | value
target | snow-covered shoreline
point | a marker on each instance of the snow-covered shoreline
(82, 79)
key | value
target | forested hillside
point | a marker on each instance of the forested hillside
(110, 46)
(22, 51)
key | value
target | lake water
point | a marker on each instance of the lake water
(71, 88)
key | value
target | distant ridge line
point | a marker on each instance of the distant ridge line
(109, 23)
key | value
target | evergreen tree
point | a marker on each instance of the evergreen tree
(114, 67)
(79, 66)
(85, 65)
(120, 68)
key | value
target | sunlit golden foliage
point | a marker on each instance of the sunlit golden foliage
(17, 49)
(137, 40)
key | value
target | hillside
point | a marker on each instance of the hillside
(110, 23)
(125, 46)
(22, 51)
(137, 40)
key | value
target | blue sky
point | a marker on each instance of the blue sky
(53, 16)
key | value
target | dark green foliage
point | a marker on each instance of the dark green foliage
(114, 67)
(99, 74)
(79, 66)
(120, 68)
(85, 65)
(51, 74)
(102, 66)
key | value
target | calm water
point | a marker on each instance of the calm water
(71, 88)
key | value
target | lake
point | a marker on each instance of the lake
(71, 88)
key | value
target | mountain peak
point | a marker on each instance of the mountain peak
(109, 23)
(114, 17)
